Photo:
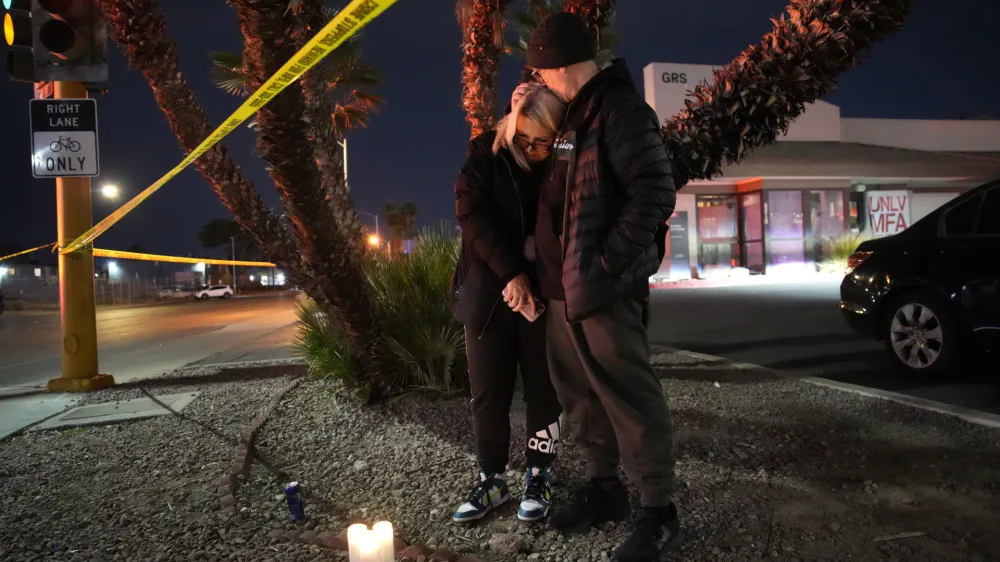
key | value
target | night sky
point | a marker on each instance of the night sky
(941, 65)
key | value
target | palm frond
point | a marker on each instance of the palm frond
(753, 99)
(228, 74)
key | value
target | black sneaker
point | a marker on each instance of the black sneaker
(591, 506)
(651, 537)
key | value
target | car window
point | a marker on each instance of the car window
(989, 216)
(961, 219)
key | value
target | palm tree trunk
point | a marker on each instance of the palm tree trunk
(139, 27)
(482, 46)
(756, 96)
(596, 14)
(286, 144)
(320, 108)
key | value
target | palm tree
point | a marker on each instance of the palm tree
(140, 29)
(337, 98)
(402, 221)
(482, 24)
(313, 253)
(272, 34)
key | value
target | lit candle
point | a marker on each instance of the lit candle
(356, 536)
(386, 541)
(375, 545)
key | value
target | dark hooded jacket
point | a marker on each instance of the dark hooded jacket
(619, 195)
(495, 202)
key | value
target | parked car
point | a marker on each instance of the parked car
(214, 292)
(932, 292)
(173, 293)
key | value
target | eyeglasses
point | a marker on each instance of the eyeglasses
(537, 76)
(537, 145)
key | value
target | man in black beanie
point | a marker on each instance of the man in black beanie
(600, 234)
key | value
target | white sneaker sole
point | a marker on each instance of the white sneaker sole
(494, 505)
(535, 518)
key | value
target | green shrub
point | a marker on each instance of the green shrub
(835, 251)
(422, 346)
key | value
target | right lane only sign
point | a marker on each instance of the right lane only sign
(64, 138)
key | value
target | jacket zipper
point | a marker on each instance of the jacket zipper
(520, 208)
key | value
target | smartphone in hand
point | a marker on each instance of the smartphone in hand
(526, 312)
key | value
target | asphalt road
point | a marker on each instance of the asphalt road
(136, 342)
(797, 327)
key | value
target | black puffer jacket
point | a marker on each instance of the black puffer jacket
(491, 215)
(619, 195)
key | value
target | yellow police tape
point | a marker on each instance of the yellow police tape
(345, 24)
(175, 259)
(36, 248)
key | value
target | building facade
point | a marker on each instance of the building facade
(828, 177)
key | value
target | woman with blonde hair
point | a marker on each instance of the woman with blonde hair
(496, 196)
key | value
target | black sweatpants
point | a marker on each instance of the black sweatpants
(508, 342)
(601, 369)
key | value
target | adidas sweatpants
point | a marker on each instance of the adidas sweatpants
(508, 342)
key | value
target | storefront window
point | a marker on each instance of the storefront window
(716, 217)
(825, 211)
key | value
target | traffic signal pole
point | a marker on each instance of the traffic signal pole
(77, 309)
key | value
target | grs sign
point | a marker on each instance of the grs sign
(674, 77)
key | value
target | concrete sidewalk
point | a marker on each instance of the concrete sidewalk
(248, 341)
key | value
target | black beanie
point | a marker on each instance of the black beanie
(561, 40)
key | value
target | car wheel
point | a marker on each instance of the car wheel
(920, 333)
(203, 297)
(227, 296)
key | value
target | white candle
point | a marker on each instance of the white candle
(375, 545)
(386, 541)
(356, 535)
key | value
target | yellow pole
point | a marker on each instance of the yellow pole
(77, 309)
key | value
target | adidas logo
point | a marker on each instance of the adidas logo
(545, 440)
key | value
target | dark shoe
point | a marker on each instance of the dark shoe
(592, 506)
(489, 493)
(651, 537)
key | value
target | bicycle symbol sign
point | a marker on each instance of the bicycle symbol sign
(64, 138)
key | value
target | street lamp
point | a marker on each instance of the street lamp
(373, 240)
(373, 216)
(112, 269)
(109, 191)
(343, 143)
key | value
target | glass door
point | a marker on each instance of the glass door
(752, 232)
(717, 240)
(784, 219)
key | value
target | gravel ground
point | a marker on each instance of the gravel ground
(768, 467)
(140, 491)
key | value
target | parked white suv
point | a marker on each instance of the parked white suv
(214, 292)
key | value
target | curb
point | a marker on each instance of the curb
(976, 417)
(27, 391)
(243, 453)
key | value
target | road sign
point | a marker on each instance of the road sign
(64, 138)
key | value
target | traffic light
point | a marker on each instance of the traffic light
(19, 36)
(54, 40)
